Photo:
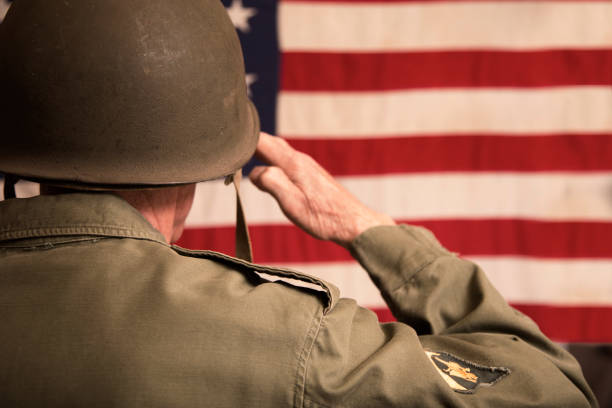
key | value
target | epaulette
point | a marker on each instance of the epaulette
(330, 292)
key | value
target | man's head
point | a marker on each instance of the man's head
(122, 94)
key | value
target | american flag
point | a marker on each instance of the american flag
(489, 122)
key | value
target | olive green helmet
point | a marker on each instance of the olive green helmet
(122, 93)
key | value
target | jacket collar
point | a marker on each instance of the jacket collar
(79, 214)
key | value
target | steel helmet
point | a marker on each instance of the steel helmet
(122, 93)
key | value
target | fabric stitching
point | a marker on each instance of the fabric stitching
(300, 384)
(9, 227)
(315, 403)
(89, 229)
(51, 245)
(411, 279)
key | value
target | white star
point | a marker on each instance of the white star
(250, 80)
(240, 15)
(4, 6)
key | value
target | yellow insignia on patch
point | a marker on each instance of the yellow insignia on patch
(464, 376)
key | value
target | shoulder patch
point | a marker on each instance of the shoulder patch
(464, 376)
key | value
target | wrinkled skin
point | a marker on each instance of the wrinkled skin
(309, 196)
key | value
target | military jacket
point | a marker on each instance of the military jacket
(96, 310)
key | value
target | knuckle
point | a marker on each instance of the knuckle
(282, 142)
(271, 173)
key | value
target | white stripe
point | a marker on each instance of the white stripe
(462, 25)
(568, 282)
(546, 196)
(519, 280)
(449, 111)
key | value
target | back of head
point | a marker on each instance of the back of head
(122, 93)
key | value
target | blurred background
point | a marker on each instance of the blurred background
(488, 122)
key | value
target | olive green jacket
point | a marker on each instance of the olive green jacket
(96, 310)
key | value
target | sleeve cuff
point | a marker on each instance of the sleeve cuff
(393, 255)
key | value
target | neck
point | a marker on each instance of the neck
(165, 208)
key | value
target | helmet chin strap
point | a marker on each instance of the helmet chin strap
(9, 186)
(243, 241)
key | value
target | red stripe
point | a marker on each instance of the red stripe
(304, 71)
(531, 153)
(287, 244)
(560, 323)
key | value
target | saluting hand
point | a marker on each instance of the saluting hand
(309, 196)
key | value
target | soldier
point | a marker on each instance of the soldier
(118, 108)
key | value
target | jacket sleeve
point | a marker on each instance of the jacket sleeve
(457, 343)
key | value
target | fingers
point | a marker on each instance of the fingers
(269, 179)
(309, 195)
(274, 150)
(290, 198)
(273, 180)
